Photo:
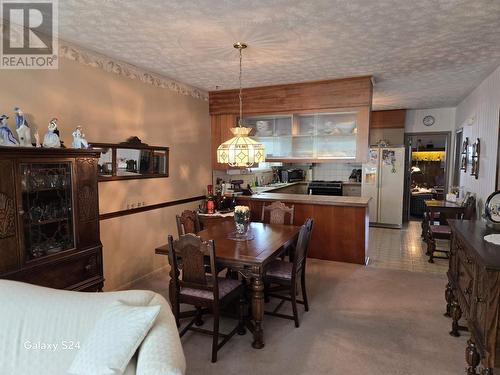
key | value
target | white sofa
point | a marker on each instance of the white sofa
(32, 317)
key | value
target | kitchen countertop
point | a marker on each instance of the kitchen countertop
(328, 200)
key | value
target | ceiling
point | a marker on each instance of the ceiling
(422, 53)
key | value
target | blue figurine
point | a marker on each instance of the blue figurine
(23, 129)
(6, 136)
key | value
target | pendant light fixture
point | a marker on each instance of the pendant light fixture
(241, 150)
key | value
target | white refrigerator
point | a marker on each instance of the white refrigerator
(383, 181)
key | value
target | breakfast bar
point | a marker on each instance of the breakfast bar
(340, 223)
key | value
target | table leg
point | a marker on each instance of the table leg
(257, 311)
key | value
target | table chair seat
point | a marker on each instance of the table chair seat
(280, 269)
(226, 286)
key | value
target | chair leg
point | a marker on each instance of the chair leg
(199, 316)
(215, 342)
(293, 296)
(431, 247)
(304, 292)
(241, 324)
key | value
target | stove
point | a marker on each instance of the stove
(325, 188)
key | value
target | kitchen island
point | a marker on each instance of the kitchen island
(340, 231)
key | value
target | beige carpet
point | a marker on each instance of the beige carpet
(362, 320)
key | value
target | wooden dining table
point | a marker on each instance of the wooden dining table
(250, 259)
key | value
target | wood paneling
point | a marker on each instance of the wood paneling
(341, 93)
(221, 132)
(339, 233)
(394, 119)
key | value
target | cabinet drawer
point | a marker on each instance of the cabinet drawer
(64, 273)
(465, 285)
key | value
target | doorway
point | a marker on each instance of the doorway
(427, 170)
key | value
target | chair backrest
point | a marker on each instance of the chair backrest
(186, 257)
(469, 208)
(278, 212)
(302, 246)
(188, 222)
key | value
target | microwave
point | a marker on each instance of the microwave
(292, 175)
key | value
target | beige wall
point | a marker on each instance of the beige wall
(111, 108)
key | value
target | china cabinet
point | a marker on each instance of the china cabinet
(49, 218)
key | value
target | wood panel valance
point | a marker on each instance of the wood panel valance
(340, 93)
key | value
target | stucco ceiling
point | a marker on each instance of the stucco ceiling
(422, 53)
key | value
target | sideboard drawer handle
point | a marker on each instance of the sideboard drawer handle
(480, 300)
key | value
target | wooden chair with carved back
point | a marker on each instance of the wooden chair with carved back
(188, 222)
(282, 276)
(190, 284)
(277, 213)
(443, 232)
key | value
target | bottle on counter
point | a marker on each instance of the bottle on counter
(210, 200)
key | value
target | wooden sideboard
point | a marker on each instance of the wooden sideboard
(49, 218)
(473, 292)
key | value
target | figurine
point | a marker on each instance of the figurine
(23, 129)
(79, 140)
(37, 139)
(51, 139)
(6, 136)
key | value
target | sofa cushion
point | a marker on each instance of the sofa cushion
(114, 339)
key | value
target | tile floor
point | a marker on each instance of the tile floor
(403, 249)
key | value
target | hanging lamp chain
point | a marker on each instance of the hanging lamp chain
(240, 122)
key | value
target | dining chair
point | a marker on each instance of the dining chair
(193, 286)
(283, 276)
(188, 222)
(277, 213)
(443, 232)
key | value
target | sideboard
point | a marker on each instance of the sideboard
(473, 292)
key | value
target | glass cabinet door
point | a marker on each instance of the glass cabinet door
(47, 205)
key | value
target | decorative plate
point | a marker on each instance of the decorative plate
(493, 238)
(492, 207)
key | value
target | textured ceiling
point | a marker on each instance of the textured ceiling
(422, 53)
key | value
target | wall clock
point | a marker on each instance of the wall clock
(429, 120)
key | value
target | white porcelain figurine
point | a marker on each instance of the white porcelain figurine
(79, 140)
(51, 139)
(6, 136)
(22, 128)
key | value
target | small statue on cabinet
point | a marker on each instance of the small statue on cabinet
(51, 139)
(79, 140)
(22, 128)
(6, 136)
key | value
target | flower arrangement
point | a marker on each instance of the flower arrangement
(242, 219)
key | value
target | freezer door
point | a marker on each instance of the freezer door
(369, 182)
(391, 186)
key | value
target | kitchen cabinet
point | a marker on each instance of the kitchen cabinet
(340, 135)
(393, 119)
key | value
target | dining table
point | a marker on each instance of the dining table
(249, 258)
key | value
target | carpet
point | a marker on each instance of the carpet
(362, 320)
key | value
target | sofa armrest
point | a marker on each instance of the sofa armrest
(161, 351)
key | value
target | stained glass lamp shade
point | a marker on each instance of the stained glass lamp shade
(241, 150)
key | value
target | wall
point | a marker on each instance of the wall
(482, 106)
(111, 108)
(445, 120)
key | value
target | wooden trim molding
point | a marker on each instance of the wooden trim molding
(132, 211)
(391, 119)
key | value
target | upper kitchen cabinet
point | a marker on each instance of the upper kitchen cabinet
(305, 122)
(312, 137)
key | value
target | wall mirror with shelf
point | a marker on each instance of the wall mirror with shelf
(131, 160)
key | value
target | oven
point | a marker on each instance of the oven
(325, 188)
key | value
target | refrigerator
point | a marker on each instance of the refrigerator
(383, 181)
